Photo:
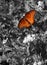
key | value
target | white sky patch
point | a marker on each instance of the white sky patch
(5, 40)
(40, 5)
(29, 38)
(39, 63)
(34, 63)
(46, 32)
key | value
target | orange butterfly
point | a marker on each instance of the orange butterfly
(27, 20)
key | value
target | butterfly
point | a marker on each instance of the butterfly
(27, 20)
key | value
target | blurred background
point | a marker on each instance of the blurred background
(27, 46)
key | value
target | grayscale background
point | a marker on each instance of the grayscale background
(27, 46)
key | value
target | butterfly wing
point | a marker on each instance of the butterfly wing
(30, 16)
(23, 23)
